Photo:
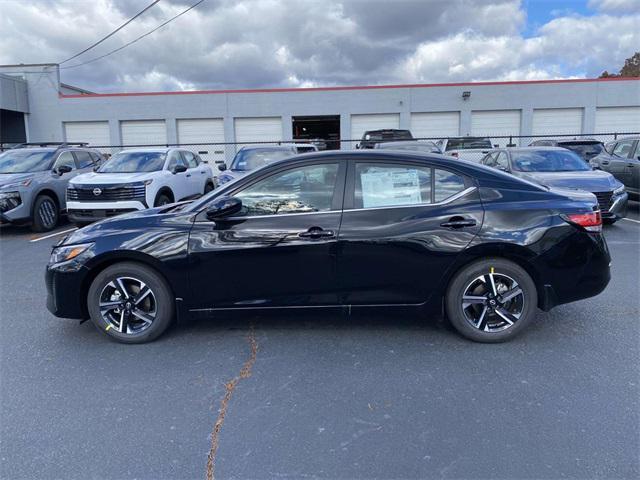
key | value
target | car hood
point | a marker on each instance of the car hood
(95, 178)
(590, 180)
(8, 178)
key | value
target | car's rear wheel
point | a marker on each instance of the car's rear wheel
(162, 199)
(130, 302)
(45, 214)
(491, 300)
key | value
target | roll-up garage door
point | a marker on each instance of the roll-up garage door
(143, 132)
(435, 124)
(376, 121)
(204, 132)
(617, 120)
(557, 121)
(493, 123)
(258, 129)
(96, 134)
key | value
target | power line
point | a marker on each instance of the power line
(112, 33)
(136, 39)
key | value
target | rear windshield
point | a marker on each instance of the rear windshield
(25, 161)
(415, 147)
(133, 162)
(251, 159)
(585, 150)
(547, 161)
(468, 143)
(388, 135)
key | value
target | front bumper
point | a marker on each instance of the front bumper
(65, 297)
(18, 214)
(94, 211)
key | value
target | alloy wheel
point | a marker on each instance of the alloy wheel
(493, 302)
(128, 305)
(47, 212)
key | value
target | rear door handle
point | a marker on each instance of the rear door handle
(605, 162)
(630, 164)
(459, 222)
(317, 232)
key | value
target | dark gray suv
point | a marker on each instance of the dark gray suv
(34, 178)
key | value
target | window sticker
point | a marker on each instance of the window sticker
(384, 188)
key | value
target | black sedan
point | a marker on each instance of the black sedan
(334, 230)
(560, 168)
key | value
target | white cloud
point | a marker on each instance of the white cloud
(281, 43)
(616, 6)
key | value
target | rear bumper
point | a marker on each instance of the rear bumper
(65, 297)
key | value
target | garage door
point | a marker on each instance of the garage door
(143, 132)
(493, 123)
(377, 121)
(557, 121)
(435, 124)
(93, 133)
(203, 132)
(258, 129)
(617, 120)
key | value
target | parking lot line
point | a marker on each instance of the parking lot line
(631, 220)
(53, 235)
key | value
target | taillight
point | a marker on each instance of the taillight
(454, 154)
(592, 222)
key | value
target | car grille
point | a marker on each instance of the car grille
(101, 213)
(106, 193)
(604, 200)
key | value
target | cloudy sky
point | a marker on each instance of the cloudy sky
(300, 43)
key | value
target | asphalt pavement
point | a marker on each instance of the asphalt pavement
(379, 394)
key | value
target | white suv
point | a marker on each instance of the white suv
(137, 179)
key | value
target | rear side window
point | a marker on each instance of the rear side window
(622, 149)
(84, 159)
(446, 184)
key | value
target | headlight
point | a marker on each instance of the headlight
(619, 191)
(71, 254)
(21, 183)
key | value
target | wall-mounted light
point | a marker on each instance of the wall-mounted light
(466, 95)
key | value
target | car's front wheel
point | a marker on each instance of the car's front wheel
(45, 214)
(491, 300)
(130, 302)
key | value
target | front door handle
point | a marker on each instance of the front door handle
(459, 222)
(605, 162)
(630, 164)
(316, 232)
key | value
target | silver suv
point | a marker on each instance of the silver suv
(34, 178)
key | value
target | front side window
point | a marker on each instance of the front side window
(622, 149)
(502, 162)
(299, 190)
(175, 159)
(66, 159)
(490, 160)
(190, 158)
(391, 185)
(132, 162)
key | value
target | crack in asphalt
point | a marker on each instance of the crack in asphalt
(245, 372)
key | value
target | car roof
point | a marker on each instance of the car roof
(282, 146)
(529, 149)
(150, 150)
(631, 137)
(390, 145)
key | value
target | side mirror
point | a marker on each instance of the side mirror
(495, 145)
(222, 166)
(223, 207)
(179, 169)
(62, 169)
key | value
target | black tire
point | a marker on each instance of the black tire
(609, 221)
(494, 325)
(45, 214)
(208, 187)
(162, 199)
(134, 330)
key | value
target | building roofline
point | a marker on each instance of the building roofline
(346, 88)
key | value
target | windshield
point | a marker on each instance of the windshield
(25, 161)
(133, 162)
(548, 161)
(585, 150)
(251, 159)
(467, 143)
(388, 135)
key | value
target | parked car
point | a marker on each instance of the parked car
(137, 179)
(586, 148)
(371, 137)
(251, 157)
(34, 177)
(557, 167)
(466, 148)
(340, 229)
(413, 145)
(622, 160)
